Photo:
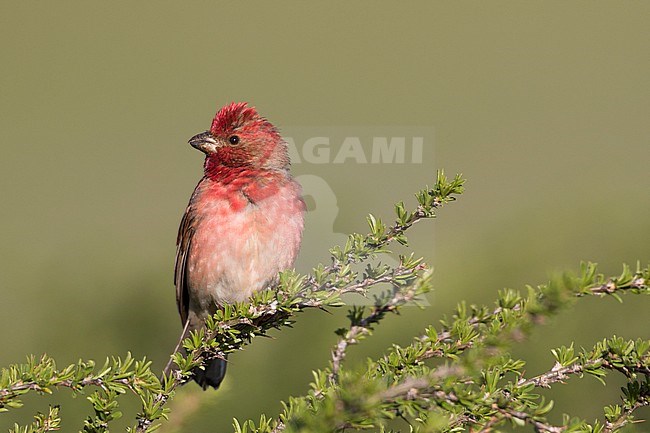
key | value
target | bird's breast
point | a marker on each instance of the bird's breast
(242, 239)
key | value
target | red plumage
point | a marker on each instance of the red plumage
(233, 115)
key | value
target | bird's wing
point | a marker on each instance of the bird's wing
(183, 244)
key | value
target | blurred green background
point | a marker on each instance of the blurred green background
(543, 106)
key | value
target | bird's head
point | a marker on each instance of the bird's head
(240, 138)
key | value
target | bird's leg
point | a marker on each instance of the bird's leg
(179, 346)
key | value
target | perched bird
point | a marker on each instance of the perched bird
(243, 224)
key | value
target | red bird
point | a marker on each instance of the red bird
(243, 224)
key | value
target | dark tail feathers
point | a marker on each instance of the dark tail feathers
(215, 371)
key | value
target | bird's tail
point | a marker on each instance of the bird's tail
(214, 369)
(212, 374)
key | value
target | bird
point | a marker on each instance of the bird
(242, 226)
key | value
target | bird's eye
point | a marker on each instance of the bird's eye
(233, 139)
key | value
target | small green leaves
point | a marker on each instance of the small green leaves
(358, 247)
(590, 282)
(479, 383)
(564, 355)
(377, 227)
(42, 423)
(402, 215)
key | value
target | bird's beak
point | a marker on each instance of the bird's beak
(204, 142)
